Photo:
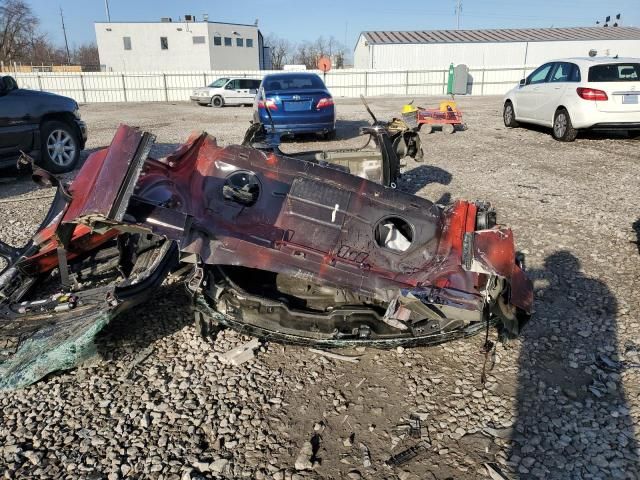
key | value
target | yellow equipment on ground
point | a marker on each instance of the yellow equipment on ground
(448, 106)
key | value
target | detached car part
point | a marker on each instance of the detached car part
(282, 248)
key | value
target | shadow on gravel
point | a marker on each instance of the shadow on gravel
(345, 129)
(412, 181)
(572, 415)
(636, 228)
(588, 134)
(167, 312)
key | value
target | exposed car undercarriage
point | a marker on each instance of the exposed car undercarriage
(289, 248)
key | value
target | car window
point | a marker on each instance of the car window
(233, 85)
(561, 72)
(615, 72)
(256, 84)
(219, 83)
(574, 76)
(246, 84)
(293, 82)
(540, 74)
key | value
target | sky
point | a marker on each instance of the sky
(299, 20)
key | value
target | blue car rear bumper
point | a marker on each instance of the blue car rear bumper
(322, 124)
(303, 128)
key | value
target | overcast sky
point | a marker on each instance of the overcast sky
(344, 19)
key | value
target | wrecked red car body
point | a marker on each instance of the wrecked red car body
(282, 248)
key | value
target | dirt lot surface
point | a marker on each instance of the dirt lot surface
(562, 401)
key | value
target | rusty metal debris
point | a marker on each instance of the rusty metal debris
(291, 249)
(408, 454)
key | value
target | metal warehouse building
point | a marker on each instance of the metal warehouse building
(181, 45)
(429, 49)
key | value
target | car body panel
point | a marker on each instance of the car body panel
(403, 270)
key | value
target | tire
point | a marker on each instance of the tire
(563, 130)
(330, 135)
(217, 102)
(59, 147)
(509, 116)
(448, 128)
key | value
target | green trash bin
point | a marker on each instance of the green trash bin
(450, 80)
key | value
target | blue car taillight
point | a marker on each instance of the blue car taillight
(269, 103)
(324, 103)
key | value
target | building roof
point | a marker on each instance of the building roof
(502, 35)
(176, 22)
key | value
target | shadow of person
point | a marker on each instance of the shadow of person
(414, 180)
(166, 312)
(572, 416)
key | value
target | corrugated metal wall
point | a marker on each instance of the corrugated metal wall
(479, 55)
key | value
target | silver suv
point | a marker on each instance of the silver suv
(227, 91)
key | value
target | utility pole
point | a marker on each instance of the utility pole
(458, 12)
(64, 31)
(106, 7)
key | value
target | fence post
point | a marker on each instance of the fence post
(84, 94)
(482, 86)
(124, 88)
(366, 83)
(166, 93)
(406, 81)
(444, 82)
(204, 77)
(39, 82)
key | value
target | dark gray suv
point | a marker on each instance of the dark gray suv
(43, 125)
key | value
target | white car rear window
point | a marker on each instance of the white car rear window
(615, 72)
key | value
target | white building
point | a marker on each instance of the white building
(182, 45)
(436, 49)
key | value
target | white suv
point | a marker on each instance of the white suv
(227, 91)
(578, 93)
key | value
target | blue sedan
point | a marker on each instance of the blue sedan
(298, 102)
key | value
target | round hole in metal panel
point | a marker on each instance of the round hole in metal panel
(394, 233)
(242, 187)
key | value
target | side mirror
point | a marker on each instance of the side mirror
(523, 82)
(7, 84)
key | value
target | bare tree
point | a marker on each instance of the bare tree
(280, 49)
(86, 54)
(18, 30)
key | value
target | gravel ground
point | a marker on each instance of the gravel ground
(563, 401)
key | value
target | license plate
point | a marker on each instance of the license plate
(297, 106)
(630, 99)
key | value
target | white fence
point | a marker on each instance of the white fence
(87, 87)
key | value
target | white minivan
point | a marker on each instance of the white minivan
(578, 93)
(227, 91)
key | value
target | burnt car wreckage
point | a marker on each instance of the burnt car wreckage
(289, 249)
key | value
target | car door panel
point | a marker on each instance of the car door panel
(232, 93)
(528, 96)
(552, 93)
(17, 126)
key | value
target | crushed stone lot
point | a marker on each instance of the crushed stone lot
(562, 401)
